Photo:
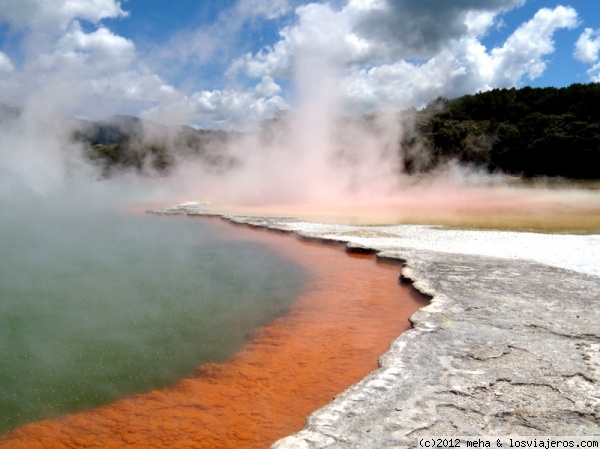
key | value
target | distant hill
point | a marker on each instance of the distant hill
(127, 143)
(529, 132)
(117, 129)
(121, 143)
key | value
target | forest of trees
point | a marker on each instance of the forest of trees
(531, 132)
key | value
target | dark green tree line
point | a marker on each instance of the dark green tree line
(529, 131)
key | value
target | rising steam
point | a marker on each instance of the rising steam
(316, 154)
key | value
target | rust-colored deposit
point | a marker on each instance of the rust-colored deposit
(330, 338)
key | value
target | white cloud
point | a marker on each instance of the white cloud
(56, 15)
(594, 73)
(270, 10)
(77, 68)
(365, 55)
(320, 32)
(131, 89)
(232, 108)
(397, 85)
(67, 68)
(90, 74)
(467, 67)
(479, 22)
(6, 64)
(61, 65)
(372, 32)
(464, 67)
(217, 40)
(267, 87)
(276, 61)
(366, 45)
(411, 29)
(99, 53)
(523, 52)
(587, 47)
(224, 108)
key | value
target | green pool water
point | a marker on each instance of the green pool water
(95, 305)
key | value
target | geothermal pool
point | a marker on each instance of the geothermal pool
(98, 304)
(326, 317)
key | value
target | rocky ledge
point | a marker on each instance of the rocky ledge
(509, 345)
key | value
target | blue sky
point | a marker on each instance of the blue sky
(231, 63)
(563, 69)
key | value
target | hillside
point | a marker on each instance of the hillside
(530, 131)
(122, 143)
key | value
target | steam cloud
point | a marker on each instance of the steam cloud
(317, 146)
(312, 154)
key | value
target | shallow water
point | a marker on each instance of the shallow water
(97, 304)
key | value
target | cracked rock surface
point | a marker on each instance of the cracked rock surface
(510, 343)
